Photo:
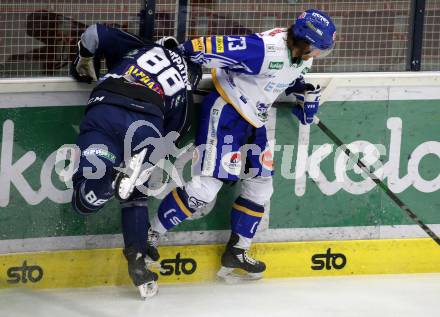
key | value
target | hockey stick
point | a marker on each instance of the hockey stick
(202, 92)
(325, 95)
(378, 182)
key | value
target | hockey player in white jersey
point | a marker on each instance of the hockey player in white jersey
(249, 73)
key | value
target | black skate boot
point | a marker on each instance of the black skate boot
(236, 258)
(152, 242)
(144, 279)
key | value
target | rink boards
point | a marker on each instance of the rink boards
(354, 226)
(199, 263)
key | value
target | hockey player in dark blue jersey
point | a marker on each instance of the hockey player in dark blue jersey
(132, 121)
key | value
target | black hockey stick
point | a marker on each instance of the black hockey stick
(381, 184)
(202, 92)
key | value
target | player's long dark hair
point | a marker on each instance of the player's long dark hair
(301, 44)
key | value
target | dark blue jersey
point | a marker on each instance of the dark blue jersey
(158, 69)
(142, 76)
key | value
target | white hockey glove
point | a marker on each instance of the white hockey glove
(84, 66)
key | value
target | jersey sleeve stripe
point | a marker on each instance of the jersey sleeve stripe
(208, 45)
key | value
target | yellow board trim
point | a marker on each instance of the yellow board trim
(86, 268)
(248, 211)
(222, 93)
(208, 45)
(182, 206)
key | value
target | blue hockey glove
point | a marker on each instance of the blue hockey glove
(299, 86)
(307, 104)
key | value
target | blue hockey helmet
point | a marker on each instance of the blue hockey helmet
(316, 28)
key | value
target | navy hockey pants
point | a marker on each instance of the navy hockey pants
(101, 139)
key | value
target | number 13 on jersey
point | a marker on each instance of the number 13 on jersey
(236, 43)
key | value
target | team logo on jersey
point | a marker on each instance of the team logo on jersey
(266, 159)
(276, 65)
(231, 163)
(262, 110)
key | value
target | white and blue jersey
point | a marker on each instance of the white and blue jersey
(249, 72)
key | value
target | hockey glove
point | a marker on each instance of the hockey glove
(168, 42)
(307, 104)
(299, 86)
(83, 69)
(194, 73)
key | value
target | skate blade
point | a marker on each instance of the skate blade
(232, 275)
(144, 176)
(148, 290)
(154, 265)
(127, 182)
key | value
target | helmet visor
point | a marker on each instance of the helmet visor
(316, 52)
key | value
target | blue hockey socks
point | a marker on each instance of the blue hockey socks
(135, 226)
(245, 217)
(173, 209)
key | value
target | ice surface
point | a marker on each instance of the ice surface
(384, 295)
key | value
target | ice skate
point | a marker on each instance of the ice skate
(126, 179)
(237, 265)
(153, 255)
(143, 279)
